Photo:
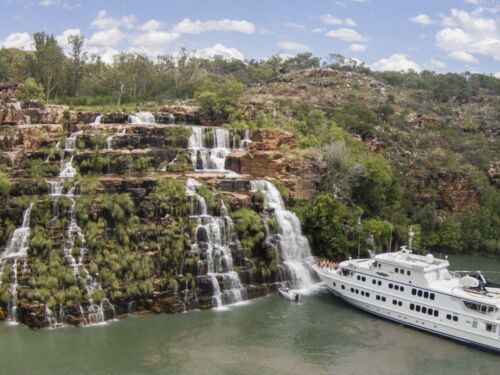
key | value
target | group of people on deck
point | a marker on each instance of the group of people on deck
(326, 264)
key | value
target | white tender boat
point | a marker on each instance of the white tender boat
(289, 294)
(420, 292)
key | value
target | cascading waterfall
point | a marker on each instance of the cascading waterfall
(217, 235)
(294, 247)
(142, 118)
(171, 119)
(94, 313)
(97, 120)
(209, 159)
(17, 249)
(109, 138)
(246, 140)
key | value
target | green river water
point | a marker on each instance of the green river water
(319, 335)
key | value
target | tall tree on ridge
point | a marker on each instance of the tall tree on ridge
(49, 60)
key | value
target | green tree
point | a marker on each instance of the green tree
(49, 61)
(4, 185)
(31, 91)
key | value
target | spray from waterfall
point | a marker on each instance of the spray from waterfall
(142, 118)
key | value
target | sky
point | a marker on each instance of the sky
(440, 35)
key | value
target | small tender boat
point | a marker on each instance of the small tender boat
(289, 294)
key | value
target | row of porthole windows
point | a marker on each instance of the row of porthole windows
(452, 317)
(396, 287)
(402, 271)
(380, 298)
(356, 291)
(424, 310)
(423, 294)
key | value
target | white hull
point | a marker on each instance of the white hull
(369, 299)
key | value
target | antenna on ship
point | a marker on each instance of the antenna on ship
(410, 238)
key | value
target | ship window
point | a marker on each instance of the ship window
(352, 290)
(363, 278)
(396, 287)
(367, 294)
(400, 303)
(394, 302)
(379, 283)
(390, 286)
(357, 291)
(426, 294)
(455, 318)
(408, 273)
(357, 277)
(448, 316)
(383, 299)
(377, 297)
(412, 306)
(374, 281)
(362, 293)
(402, 272)
(424, 309)
(432, 296)
(436, 313)
(474, 323)
(491, 327)
(402, 288)
(430, 311)
(419, 293)
(343, 286)
(417, 308)
(413, 292)
(396, 270)
(334, 284)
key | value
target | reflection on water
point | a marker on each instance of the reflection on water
(319, 335)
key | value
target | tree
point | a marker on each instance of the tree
(31, 91)
(49, 61)
(76, 64)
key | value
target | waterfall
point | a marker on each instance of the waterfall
(142, 118)
(216, 235)
(93, 313)
(294, 247)
(109, 138)
(70, 144)
(97, 120)
(171, 119)
(17, 248)
(246, 140)
(206, 158)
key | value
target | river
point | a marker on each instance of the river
(319, 335)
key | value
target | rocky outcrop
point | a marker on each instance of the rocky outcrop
(181, 114)
(11, 114)
(451, 191)
(264, 157)
(115, 118)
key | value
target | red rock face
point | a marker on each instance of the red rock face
(264, 158)
(448, 191)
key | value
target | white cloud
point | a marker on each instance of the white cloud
(293, 46)
(59, 3)
(347, 35)
(186, 26)
(293, 25)
(106, 53)
(104, 22)
(465, 35)
(154, 38)
(438, 64)
(106, 38)
(396, 62)
(151, 25)
(355, 47)
(497, 74)
(318, 30)
(463, 56)
(219, 50)
(422, 19)
(333, 20)
(18, 40)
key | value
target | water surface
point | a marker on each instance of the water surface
(320, 335)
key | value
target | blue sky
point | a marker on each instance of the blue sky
(441, 35)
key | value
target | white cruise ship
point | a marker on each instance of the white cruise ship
(420, 292)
